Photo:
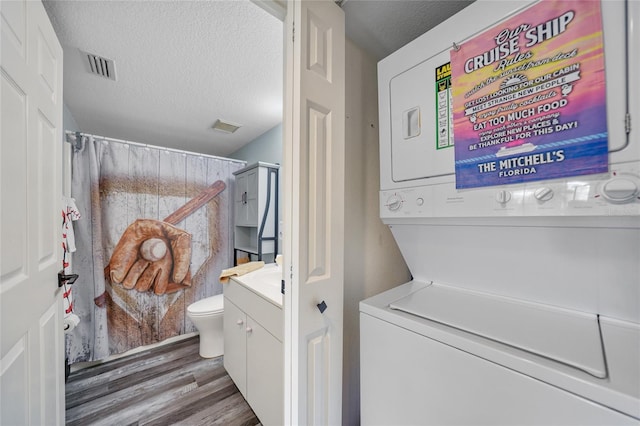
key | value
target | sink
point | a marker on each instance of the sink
(266, 282)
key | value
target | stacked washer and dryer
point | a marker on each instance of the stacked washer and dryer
(524, 306)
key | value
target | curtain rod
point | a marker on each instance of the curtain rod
(71, 136)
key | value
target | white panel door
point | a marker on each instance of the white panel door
(314, 211)
(31, 337)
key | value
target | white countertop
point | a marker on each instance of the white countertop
(265, 282)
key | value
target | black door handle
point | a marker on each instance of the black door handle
(66, 279)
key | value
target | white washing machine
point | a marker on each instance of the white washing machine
(525, 302)
(439, 355)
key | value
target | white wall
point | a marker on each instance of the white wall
(68, 123)
(266, 147)
(373, 262)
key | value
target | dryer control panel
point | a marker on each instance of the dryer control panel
(417, 161)
(614, 194)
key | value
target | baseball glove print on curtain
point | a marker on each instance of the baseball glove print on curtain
(159, 235)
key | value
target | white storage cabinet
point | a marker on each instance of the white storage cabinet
(256, 210)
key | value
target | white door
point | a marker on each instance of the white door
(314, 126)
(31, 336)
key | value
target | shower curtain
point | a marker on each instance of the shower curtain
(155, 236)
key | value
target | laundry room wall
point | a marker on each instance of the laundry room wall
(373, 262)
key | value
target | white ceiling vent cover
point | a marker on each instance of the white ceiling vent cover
(225, 127)
(100, 66)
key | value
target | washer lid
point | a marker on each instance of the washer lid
(569, 337)
(207, 305)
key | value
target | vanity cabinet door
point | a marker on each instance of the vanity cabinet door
(235, 345)
(265, 374)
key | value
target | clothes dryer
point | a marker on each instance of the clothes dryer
(525, 302)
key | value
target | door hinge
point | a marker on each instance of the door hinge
(282, 286)
(293, 33)
(627, 123)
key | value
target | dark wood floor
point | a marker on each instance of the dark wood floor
(169, 385)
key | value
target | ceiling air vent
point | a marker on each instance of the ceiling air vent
(101, 66)
(225, 127)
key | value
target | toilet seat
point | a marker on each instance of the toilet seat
(207, 306)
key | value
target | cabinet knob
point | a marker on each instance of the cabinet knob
(239, 322)
(322, 306)
(249, 329)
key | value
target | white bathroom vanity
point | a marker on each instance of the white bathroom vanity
(253, 334)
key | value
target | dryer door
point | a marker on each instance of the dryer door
(421, 125)
(419, 99)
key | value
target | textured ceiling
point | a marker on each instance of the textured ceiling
(181, 65)
(382, 26)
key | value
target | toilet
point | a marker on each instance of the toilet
(206, 315)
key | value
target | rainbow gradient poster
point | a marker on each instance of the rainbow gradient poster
(529, 97)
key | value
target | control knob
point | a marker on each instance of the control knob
(543, 194)
(503, 196)
(394, 202)
(620, 190)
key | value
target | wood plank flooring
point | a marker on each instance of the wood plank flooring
(168, 385)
